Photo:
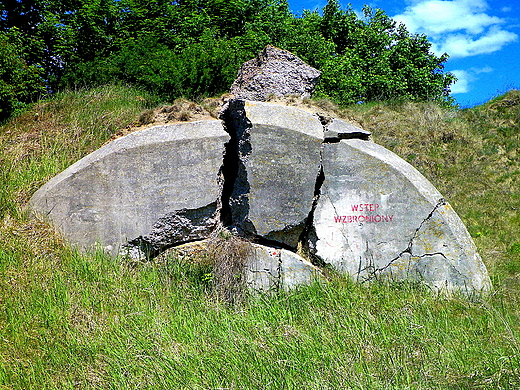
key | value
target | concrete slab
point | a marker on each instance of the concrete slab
(271, 269)
(338, 129)
(139, 185)
(278, 149)
(266, 268)
(377, 216)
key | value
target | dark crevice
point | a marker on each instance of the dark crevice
(340, 136)
(335, 135)
(324, 119)
(234, 203)
(433, 254)
(226, 178)
(267, 242)
(331, 140)
(308, 237)
(150, 251)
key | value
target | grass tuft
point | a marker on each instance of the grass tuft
(229, 254)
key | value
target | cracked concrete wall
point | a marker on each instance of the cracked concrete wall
(278, 161)
(377, 216)
(279, 175)
(130, 188)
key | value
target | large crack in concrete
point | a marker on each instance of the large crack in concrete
(234, 202)
(308, 236)
(409, 248)
(231, 208)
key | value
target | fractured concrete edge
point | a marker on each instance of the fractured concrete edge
(277, 151)
(118, 192)
(338, 129)
(438, 251)
(286, 117)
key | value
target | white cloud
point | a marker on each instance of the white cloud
(485, 69)
(463, 45)
(441, 16)
(462, 83)
(460, 28)
(466, 77)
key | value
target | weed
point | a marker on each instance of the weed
(230, 254)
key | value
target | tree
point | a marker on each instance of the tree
(376, 60)
(194, 47)
(20, 83)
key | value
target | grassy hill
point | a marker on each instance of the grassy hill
(69, 320)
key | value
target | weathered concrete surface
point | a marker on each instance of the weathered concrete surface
(273, 269)
(278, 150)
(159, 184)
(266, 268)
(378, 216)
(277, 174)
(274, 72)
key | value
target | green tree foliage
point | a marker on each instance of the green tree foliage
(20, 83)
(193, 48)
(376, 59)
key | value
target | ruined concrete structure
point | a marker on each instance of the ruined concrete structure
(276, 175)
(280, 176)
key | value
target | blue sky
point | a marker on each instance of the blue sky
(482, 38)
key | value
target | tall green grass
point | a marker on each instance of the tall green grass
(79, 321)
(88, 321)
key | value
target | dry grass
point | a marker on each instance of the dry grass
(230, 254)
(218, 262)
(181, 110)
(55, 133)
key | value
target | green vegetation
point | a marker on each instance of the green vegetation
(193, 48)
(69, 320)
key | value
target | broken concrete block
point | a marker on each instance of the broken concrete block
(338, 129)
(266, 268)
(274, 72)
(271, 269)
(157, 185)
(377, 216)
(278, 174)
(278, 160)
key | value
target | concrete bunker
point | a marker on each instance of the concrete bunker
(278, 176)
